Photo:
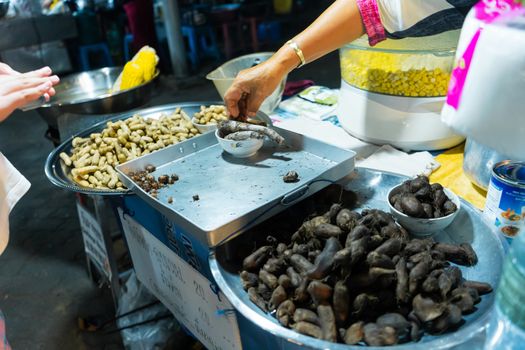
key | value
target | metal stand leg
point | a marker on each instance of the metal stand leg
(101, 233)
(104, 215)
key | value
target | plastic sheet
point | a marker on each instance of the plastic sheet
(485, 99)
(147, 336)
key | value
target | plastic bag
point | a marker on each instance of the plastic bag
(486, 92)
(149, 336)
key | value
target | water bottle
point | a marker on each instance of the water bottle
(506, 330)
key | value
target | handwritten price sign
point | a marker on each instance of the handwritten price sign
(94, 245)
(181, 288)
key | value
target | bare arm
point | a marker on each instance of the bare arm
(339, 24)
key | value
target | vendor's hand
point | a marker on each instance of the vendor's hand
(251, 87)
(17, 90)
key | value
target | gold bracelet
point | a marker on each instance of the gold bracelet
(298, 52)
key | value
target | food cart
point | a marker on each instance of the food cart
(185, 248)
(187, 238)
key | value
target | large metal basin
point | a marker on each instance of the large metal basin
(369, 190)
(58, 173)
(88, 93)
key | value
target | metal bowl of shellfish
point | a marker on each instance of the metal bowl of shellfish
(368, 189)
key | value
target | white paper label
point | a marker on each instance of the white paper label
(181, 288)
(491, 210)
(94, 240)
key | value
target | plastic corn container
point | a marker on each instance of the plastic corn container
(414, 67)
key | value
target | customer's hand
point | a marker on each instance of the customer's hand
(17, 89)
(251, 87)
(6, 70)
(39, 73)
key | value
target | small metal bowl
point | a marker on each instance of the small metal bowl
(239, 149)
(422, 227)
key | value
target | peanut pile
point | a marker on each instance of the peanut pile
(93, 159)
(210, 115)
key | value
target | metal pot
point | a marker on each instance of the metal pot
(479, 161)
(88, 93)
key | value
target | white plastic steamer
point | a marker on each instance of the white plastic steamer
(409, 123)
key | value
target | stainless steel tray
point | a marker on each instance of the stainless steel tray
(236, 193)
(57, 172)
(370, 188)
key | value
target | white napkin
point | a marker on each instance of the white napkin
(387, 158)
(327, 132)
(12, 187)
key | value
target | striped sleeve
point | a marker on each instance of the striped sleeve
(371, 21)
(399, 19)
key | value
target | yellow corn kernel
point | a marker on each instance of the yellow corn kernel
(132, 76)
(387, 73)
(147, 60)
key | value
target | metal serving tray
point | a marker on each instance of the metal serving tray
(236, 193)
(57, 172)
(369, 190)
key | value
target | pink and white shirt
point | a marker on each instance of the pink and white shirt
(399, 19)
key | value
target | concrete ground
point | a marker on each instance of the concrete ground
(44, 286)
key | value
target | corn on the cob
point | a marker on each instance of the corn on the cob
(132, 76)
(139, 70)
(147, 60)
